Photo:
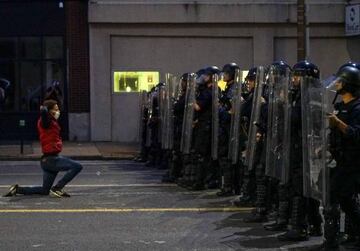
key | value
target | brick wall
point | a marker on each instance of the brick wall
(77, 41)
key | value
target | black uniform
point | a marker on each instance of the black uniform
(345, 178)
(201, 137)
(227, 170)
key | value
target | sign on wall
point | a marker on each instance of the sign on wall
(352, 20)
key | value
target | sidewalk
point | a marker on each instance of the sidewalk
(76, 150)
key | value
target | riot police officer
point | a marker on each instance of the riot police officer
(277, 141)
(175, 163)
(299, 204)
(202, 129)
(226, 168)
(154, 158)
(247, 179)
(345, 148)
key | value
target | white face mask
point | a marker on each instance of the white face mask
(57, 115)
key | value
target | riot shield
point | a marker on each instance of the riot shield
(170, 91)
(257, 103)
(313, 137)
(236, 105)
(150, 103)
(331, 97)
(162, 115)
(215, 118)
(278, 126)
(187, 128)
(143, 115)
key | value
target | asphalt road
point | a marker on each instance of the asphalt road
(122, 205)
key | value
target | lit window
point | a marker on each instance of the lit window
(135, 81)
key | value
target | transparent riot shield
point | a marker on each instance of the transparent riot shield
(170, 97)
(236, 105)
(331, 97)
(143, 115)
(278, 127)
(215, 118)
(258, 102)
(150, 103)
(187, 128)
(313, 137)
(162, 115)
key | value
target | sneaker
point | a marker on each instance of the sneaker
(12, 191)
(59, 193)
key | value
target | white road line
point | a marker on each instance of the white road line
(111, 185)
(128, 210)
(93, 173)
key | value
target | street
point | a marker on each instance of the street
(122, 205)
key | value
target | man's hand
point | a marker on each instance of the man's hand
(333, 120)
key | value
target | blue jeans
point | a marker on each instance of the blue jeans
(51, 165)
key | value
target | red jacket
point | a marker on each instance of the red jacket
(50, 139)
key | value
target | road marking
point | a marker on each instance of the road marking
(110, 185)
(101, 173)
(129, 210)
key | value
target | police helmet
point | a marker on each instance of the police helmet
(251, 74)
(281, 67)
(211, 70)
(350, 63)
(349, 76)
(185, 76)
(305, 68)
(230, 69)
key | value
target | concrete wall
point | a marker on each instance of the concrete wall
(180, 36)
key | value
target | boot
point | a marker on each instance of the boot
(282, 218)
(226, 178)
(184, 181)
(298, 231)
(198, 174)
(331, 227)
(261, 210)
(295, 234)
(258, 216)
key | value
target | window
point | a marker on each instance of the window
(53, 47)
(30, 82)
(135, 81)
(30, 65)
(30, 47)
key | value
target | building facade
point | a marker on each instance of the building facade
(43, 42)
(180, 36)
(103, 52)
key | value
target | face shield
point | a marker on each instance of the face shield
(334, 88)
